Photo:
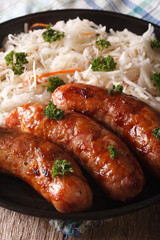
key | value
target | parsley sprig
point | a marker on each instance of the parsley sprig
(103, 64)
(103, 43)
(61, 167)
(118, 88)
(113, 151)
(155, 43)
(53, 112)
(51, 35)
(54, 82)
(16, 59)
(156, 132)
(156, 79)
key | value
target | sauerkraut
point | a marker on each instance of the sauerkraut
(136, 62)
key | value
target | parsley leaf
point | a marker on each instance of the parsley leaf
(52, 35)
(16, 60)
(60, 167)
(156, 132)
(49, 26)
(53, 112)
(18, 69)
(156, 79)
(54, 82)
(103, 43)
(113, 151)
(21, 58)
(118, 88)
(155, 43)
(103, 64)
(9, 57)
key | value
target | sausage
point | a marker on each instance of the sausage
(30, 158)
(132, 119)
(121, 178)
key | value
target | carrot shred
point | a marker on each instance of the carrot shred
(31, 79)
(2, 68)
(57, 72)
(86, 34)
(37, 25)
(26, 82)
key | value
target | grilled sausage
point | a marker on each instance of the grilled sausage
(30, 158)
(131, 118)
(121, 178)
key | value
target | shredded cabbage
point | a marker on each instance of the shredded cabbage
(136, 61)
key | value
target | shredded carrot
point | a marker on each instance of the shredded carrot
(57, 72)
(26, 82)
(2, 68)
(37, 25)
(86, 34)
(31, 79)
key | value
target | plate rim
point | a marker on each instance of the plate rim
(25, 16)
(96, 215)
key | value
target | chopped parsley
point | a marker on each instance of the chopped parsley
(53, 112)
(16, 60)
(103, 43)
(155, 43)
(54, 82)
(156, 132)
(118, 88)
(60, 167)
(52, 35)
(103, 64)
(113, 151)
(156, 79)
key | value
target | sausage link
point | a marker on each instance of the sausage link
(132, 119)
(30, 158)
(121, 178)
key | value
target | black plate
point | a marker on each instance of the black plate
(17, 195)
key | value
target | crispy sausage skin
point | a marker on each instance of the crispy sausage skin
(132, 119)
(30, 158)
(121, 178)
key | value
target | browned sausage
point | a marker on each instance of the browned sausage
(30, 158)
(131, 118)
(121, 178)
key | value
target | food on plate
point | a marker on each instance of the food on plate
(35, 62)
(135, 121)
(46, 167)
(16, 60)
(75, 51)
(51, 35)
(99, 151)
